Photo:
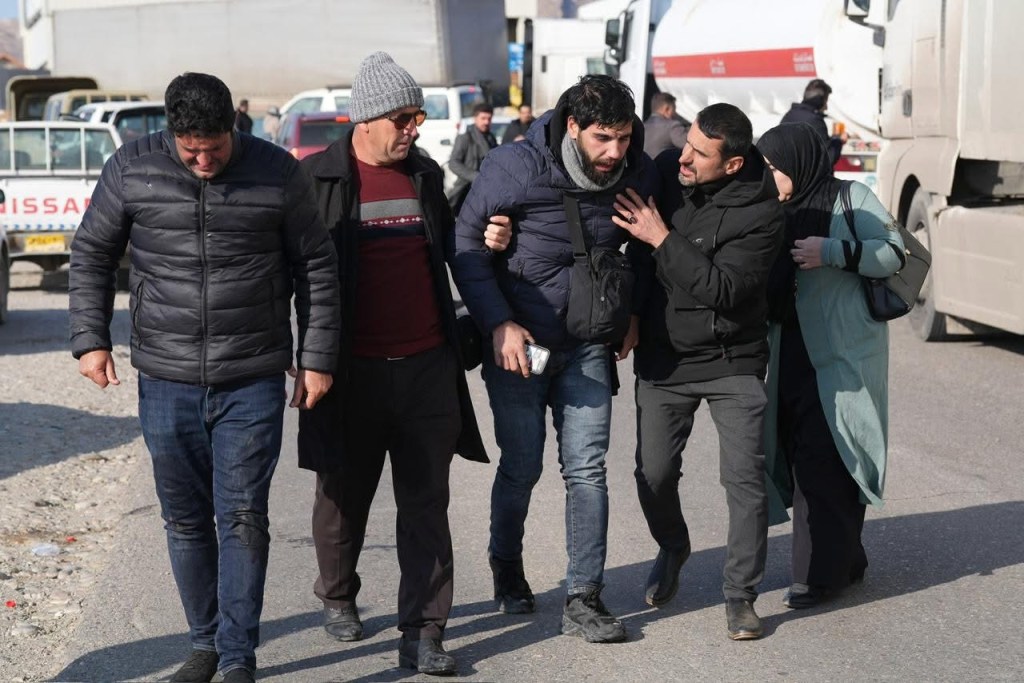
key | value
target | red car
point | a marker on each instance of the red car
(305, 134)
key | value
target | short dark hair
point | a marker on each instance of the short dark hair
(199, 104)
(727, 123)
(482, 108)
(816, 93)
(661, 99)
(599, 99)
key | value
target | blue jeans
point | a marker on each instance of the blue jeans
(577, 386)
(214, 451)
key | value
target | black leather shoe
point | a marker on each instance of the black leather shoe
(742, 620)
(200, 667)
(426, 656)
(802, 596)
(239, 676)
(343, 623)
(663, 581)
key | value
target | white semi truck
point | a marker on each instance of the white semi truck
(266, 50)
(931, 83)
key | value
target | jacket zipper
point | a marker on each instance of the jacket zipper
(205, 277)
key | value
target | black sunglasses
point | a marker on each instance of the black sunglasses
(402, 121)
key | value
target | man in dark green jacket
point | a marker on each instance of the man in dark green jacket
(701, 335)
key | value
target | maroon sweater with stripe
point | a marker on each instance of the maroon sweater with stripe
(396, 311)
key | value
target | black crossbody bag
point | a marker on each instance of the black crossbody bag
(601, 289)
(891, 297)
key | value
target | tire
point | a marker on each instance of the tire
(5, 285)
(927, 323)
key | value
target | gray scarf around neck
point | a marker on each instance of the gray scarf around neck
(572, 157)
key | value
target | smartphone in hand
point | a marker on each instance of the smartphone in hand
(537, 358)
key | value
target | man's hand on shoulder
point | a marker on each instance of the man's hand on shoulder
(498, 233)
(99, 367)
(310, 387)
(640, 219)
(509, 340)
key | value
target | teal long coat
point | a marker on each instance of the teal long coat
(849, 352)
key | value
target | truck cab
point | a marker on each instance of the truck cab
(48, 170)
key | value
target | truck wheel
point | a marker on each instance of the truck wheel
(927, 323)
(5, 285)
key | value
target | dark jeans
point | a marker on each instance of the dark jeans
(214, 451)
(577, 386)
(828, 515)
(664, 420)
(408, 409)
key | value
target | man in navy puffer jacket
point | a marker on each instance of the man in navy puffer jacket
(590, 147)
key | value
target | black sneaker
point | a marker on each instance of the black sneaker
(512, 593)
(587, 617)
(200, 667)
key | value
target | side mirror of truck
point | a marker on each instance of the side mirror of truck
(856, 8)
(612, 33)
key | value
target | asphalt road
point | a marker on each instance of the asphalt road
(940, 601)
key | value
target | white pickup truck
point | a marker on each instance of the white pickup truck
(48, 170)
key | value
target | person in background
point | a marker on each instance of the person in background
(223, 230)
(663, 129)
(589, 147)
(517, 129)
(243, 122)
(812, 111)
(700, 336)
(404, 393)
(468, 153)
(827, 417)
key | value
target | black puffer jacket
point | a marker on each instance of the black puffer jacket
(214, 264)
(708, 317)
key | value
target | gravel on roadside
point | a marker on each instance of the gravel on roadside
(69, 453)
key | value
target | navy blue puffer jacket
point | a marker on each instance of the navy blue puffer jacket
(529, 281)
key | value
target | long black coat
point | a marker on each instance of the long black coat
(321, 432)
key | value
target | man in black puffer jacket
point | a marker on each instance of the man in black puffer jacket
(589, 147)
(703, 336)
(223, 229)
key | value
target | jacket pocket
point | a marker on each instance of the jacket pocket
(135, 305)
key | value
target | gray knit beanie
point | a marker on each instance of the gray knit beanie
(381, 87)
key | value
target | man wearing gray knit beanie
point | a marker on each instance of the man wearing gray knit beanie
(403, 391)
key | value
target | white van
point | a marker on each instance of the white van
(131, 119)
(445, 107)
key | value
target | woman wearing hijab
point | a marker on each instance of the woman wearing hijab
(827, 415)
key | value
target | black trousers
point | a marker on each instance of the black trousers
(664, 420)
(828, 516)
(407, 408)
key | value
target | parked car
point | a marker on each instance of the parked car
(303, 134)
(48, 170)
(5, 270)
(131, 119)
(64, 103)
(445, 107)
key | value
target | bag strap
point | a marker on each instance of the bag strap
(851, 253)
(572, 213)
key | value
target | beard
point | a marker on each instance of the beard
(590, 168)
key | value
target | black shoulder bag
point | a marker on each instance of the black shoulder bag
(892, 297)
(601, 290)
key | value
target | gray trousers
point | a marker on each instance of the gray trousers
(664, 419)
